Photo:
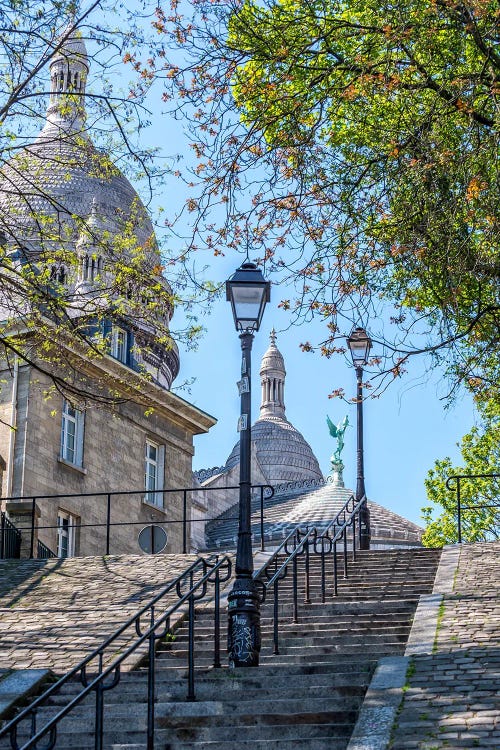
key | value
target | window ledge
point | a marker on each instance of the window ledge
(161, 509)
(78, 469)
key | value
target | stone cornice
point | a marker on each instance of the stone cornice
(127, 384)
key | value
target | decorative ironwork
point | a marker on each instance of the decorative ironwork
(190, 586)
(285, 487)
(203, 474)
(10, 539)
(301, 543)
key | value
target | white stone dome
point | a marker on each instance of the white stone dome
(281, 450)
(61, 185)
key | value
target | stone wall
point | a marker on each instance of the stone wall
(113, 460)
(217, 498)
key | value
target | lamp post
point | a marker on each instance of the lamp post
(359, 344)
(248, 292)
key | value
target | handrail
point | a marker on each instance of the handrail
(264, 488)
(296, 530)
(317, 536)
(322, 543)
(212, 570)
(275, 554)
(44, 552)
(460, 506)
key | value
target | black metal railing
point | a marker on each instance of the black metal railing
(108, 498)
(301, 543)
(43, 552)
(10, 539)
(144, 629)
(489, 526)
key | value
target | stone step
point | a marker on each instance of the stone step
(311, 645)
(290, 630)
(350, 686)
(279, 744)
(341, 664)
(268, 727)
(355, 623)
(313, 653)
(212, 712)
(296, 630)
(280, 736)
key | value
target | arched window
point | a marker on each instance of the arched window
(91, 267)
(58, 274)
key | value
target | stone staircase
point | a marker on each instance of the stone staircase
(307, 696)
(54, 612)
(452, 698)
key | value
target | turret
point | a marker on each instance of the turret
(272, 379)
(68, 75)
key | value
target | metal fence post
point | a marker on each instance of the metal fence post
(108, 521)
(32, 542)
(459, 512)
(2, 536)
(184, 523)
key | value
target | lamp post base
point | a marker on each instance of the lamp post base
(244, 623)
(364, 527)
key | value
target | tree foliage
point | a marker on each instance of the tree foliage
(480, 450)
(68, 270)
(352, 146)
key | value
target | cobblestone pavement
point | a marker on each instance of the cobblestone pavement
(53, 612)
(453, 698)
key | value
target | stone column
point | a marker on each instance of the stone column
(20, 514)
(336, 476)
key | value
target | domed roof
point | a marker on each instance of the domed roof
(273, 358)
(281, 450)
(63, 178)
(61, 188)
(62, 175)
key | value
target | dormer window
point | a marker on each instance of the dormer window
(58, 274)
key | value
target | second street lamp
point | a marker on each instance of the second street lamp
(359, 344)
(248, 292)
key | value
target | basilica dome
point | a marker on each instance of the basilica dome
(61, 192)
(281, 450)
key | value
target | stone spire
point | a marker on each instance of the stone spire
(69, 68)
(272, 379)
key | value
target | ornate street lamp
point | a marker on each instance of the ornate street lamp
(248, 292)
(359, 344)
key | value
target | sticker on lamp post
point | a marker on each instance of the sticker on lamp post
(243, 385)
(243, 422)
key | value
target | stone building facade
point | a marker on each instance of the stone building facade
(140, 439)
(282, 458)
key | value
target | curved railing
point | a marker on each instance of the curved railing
(149, 627)
(322, 540)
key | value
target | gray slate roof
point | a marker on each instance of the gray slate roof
(282, 452)
(295, 504)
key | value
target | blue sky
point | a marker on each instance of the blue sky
(406, 429)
